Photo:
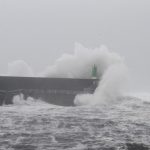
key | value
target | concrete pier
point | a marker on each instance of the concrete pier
(59, 91)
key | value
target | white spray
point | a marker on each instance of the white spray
(20, 68)
(80, 63)
(110, 87)
(110, 70)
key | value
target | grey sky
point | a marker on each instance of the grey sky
(39, 31)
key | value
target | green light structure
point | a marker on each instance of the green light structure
(94, 71)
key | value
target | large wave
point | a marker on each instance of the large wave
(111, 71)
(111, 87)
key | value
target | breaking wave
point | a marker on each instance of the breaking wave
(109, 89)
(111, 71)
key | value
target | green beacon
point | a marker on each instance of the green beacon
(94, 72)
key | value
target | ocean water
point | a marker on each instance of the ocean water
(35, 125)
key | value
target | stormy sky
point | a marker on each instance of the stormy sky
(39, 31)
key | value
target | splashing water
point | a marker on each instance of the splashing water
(109, 89)
(80, 63)
(20, 68)
(111, 71)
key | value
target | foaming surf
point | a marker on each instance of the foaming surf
(123, 125)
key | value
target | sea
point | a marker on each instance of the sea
(123, 124)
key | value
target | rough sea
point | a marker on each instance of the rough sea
(36, 125)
